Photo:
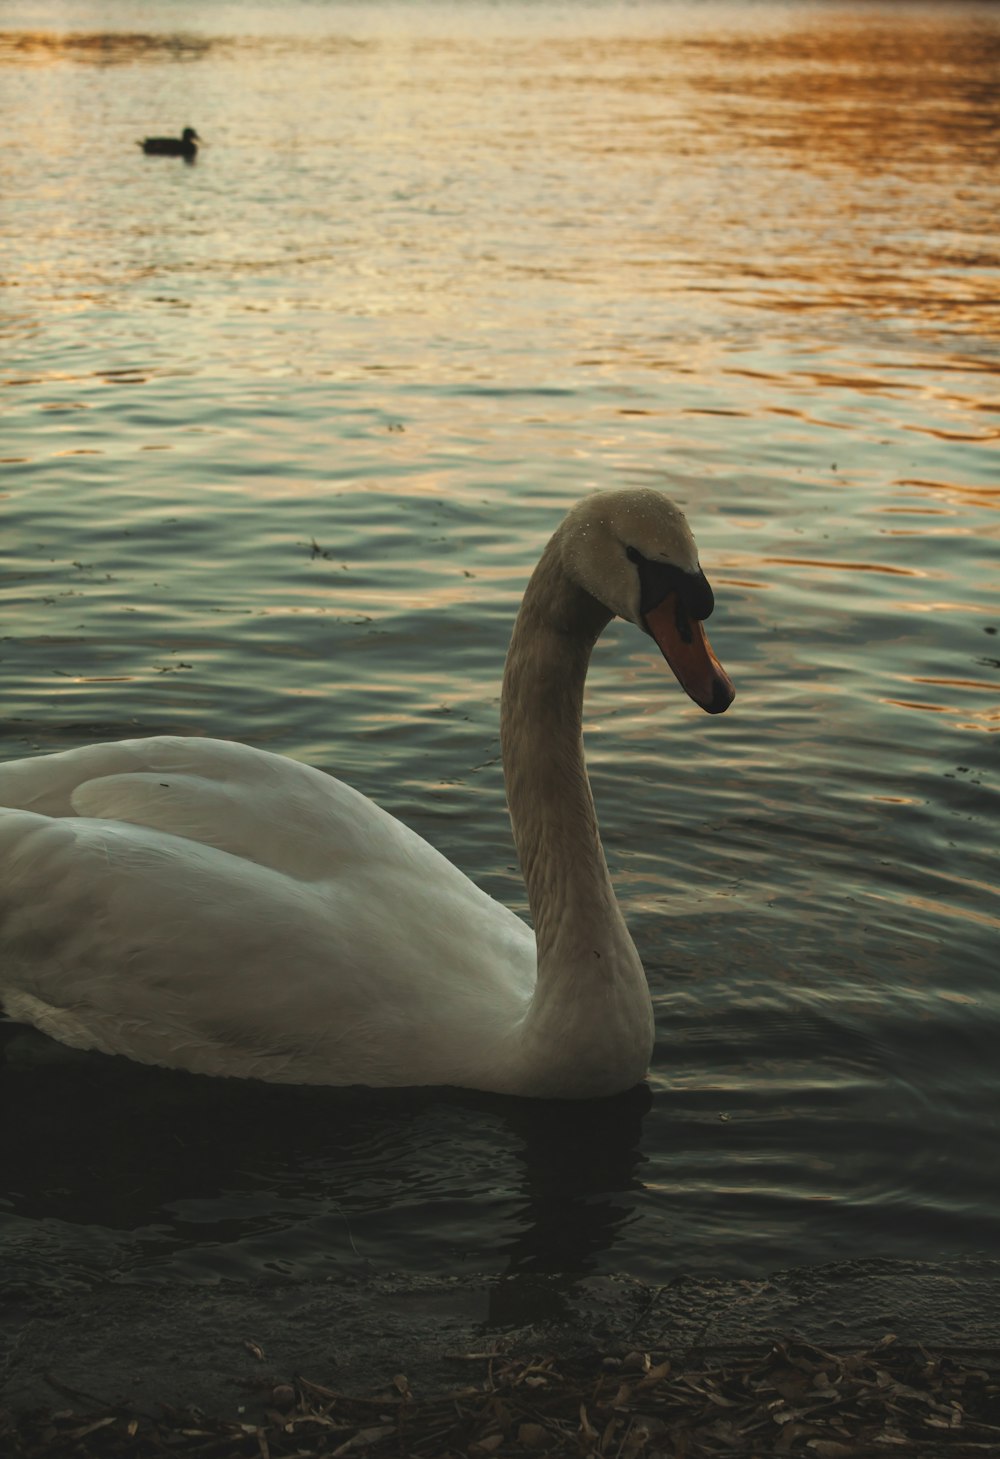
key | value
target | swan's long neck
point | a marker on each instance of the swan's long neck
(591, 992)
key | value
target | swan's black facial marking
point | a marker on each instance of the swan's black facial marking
(695, 598)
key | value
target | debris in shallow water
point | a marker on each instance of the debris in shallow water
(794, 1400)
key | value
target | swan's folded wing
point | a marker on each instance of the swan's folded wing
(228, 911)
(260, 806)
(305, 831)
(135, 941)
(46, 783)
(120, 939)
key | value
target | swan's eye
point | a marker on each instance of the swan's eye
(657, 579)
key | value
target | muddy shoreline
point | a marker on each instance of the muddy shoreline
(222, 1348)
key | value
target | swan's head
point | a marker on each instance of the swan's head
(633, 551)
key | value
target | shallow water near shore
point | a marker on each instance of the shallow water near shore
(283, 433)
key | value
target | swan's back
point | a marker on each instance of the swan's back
(255, 805)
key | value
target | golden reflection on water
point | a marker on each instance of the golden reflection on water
(882, 93)
(938, 907)
(103, 48)
(827, 565)
(961, 493)
(942, 605)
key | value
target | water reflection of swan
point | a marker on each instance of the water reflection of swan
(212, 907)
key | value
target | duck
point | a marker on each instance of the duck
(186, 145)
(205, 905)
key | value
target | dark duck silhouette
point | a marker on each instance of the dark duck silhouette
(186, 145)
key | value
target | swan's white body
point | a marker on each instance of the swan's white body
(212, 907)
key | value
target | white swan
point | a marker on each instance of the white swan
(207, 906)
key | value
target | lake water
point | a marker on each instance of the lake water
(283, 433)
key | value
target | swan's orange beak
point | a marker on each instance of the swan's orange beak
(682, 641)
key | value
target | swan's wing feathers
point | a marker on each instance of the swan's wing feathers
(277, 830)
(46, 783)
(310, 827)
(146, 925)
(228, 911)
(114, 895)
(173, 952)
(259, 806)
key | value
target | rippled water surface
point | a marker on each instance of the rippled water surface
(282, 435)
